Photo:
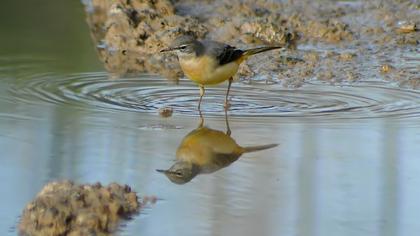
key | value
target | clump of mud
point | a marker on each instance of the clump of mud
(336, 41)
(65, 208)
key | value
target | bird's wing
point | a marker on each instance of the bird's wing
(222, 52)
(218, 161)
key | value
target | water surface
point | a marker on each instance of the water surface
(347, 162)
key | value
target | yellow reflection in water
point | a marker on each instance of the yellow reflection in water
(206, 150)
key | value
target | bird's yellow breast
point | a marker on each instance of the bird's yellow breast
(203, 145)
(206, 70)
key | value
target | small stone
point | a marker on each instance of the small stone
(311, 56)
(350, 76)
(386, 68)
(326, 75)
(346, 56)
(406, 27)
(165, 112)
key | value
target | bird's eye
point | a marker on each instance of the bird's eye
(178, 173)
(183, 47)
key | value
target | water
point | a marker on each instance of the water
(148, 93)
(347, 163)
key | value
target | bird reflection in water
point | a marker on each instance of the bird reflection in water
(206, 150)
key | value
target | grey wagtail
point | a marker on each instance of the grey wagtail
(210, 62)
(206, 150)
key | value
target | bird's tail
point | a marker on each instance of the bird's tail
(249, 52)
(259, 147)
(254, 51)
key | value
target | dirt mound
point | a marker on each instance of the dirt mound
(65, 208)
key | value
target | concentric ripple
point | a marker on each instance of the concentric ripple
(148, 94)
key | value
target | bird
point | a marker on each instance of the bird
(206, 150)
(210, 62)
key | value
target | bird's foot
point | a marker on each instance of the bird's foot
(226, 105)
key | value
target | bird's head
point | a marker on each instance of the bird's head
(181, 172)
(184, 46)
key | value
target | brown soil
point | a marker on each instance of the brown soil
(336, 41)
(64, 208)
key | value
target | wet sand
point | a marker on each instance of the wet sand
(337, 42)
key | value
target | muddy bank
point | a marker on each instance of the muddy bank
(65, 208)
(336, 41)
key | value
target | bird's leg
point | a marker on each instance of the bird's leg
(201, 96)
(201, 119)
(226, 105)
(228, 131)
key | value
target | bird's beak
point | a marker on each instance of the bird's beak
(167, 49)
(162, 171)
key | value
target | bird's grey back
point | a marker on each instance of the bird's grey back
(223, 52)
